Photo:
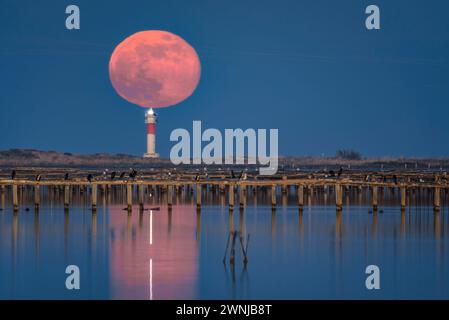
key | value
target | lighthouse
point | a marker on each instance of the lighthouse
(150, 120)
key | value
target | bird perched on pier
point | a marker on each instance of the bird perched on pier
(89, 177)
(367, 178)
(122, 175)
(38, 177)
(232, 174)
(66, 176)
(13, 174)
(113, 174)
(197, 178)
(133, 174)
(332, 173)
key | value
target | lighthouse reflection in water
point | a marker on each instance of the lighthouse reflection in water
(316, 253)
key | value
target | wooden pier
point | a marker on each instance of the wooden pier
(310, 184)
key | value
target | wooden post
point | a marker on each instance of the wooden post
(284, 186)
(273, 196)
(129, 196)
(2, 193)
(94, 196)
(437, 199)
(300, 196)
(338, 197)
(170, 196)
(198, 196)
(231, 197)
(37, 197)
(141, 196)
(66, 196)
(403, 197)
(242, 196)
(15, 197)
(375, 197)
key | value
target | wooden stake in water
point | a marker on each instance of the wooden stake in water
(141, 196)
(338, 197)
(66, 196)
(198, 196)
(94, 196)
(273, 196)
(242, 196)
(231, 197)
(129, 196)
(437, 199)
(301, 195)
(170, 196)
(15, 197)
(403, 197)
(375, 197)
(37, 197)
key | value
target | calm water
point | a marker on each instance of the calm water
(315, 253)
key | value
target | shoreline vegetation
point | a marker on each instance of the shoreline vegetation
(27, 158)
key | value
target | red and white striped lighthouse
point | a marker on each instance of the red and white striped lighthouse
(150, 120)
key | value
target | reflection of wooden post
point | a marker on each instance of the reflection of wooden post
(231, 197)
(15, 197)
(403, 197)
(338, 197)
(37, 197)
(66, 196)
(198, 196)
(94, 196)
(300, 195)
(437, 199)
(129, 196)
(273, 196)
(375, 195)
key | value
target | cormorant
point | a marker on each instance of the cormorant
(332, 173)
(66, 176)
(133, 174)
(89, 177)
(13, 174)
(38, 177)
(122, 175)
(232, 174)
(113, 173)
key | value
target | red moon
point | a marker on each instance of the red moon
(154, 69)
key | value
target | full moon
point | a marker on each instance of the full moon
(154, 69)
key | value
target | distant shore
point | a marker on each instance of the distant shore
(29, 158)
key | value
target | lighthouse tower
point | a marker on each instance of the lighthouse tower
(150, 120)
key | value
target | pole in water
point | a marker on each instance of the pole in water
(15, 198)
(129, 197)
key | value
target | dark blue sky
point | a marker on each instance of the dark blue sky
(309, 68)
